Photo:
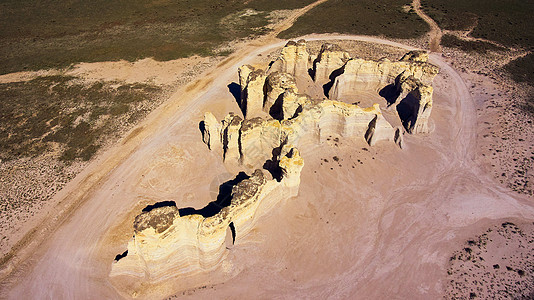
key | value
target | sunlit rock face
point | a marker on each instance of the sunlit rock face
(169, 241)
(277, 118)
(258, 137)
(293, 60)
(252, 81)
(410, 77)
(330, 60)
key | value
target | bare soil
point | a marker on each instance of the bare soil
(369, 222)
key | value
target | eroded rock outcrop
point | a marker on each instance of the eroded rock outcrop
(229, 137)
(416, 103)
(278, 118)
(360, 74)
(252, 83)
(331, 58)
(412, 75)
(211, 131)
(169, 241)
(316, 121)
(277, 83)
(293, 60)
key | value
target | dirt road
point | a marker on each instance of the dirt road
(446, 186)
(82, 187)
(435, 32)
(397, 218)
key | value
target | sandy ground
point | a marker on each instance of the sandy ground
(378, 223)
(146, 70)
(34, 181)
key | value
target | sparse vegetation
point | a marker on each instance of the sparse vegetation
(505, 22)
(522, 70)
(388, 18)
(475, 272)
(58, 33)
(50, 127)
(452, 41)
(56, 112)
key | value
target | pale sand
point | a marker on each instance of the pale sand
(146, 70)
(385, 228)
(380, 223)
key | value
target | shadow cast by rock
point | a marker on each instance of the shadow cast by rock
(223, 200)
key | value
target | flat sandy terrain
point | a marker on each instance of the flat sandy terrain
(380, 222)
(421, 222)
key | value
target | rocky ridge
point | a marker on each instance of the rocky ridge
(169, 241)
(278, 116)
(406, 84)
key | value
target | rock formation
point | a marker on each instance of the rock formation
(293, 60)
(359, 74)
(277, 83)
(211, 131)
(416, 102)
(230, 132)
(252, 83)
(411, 75)
(331, 58)
(169, 241)
(250, 142)
(278, 118)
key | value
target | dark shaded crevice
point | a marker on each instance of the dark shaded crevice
(232, 228)
(277, 110)
(121, 256)
(390, 93)
(398, 137)
(265, 90)
(313, 70)
(205, 134)
(240, 145)
(273, 165)
(235, 89)
(297, 112)
(328, 86)
(223, 200)
(225, 142)
(159, 204)
(370, 130)
(407, 109)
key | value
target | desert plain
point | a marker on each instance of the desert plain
(431, 219)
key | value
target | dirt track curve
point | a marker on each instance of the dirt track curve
(405, 249)
(80, 189)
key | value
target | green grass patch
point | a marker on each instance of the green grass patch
(387, 18)
(508, 23)
(57, 110)
(44, 34)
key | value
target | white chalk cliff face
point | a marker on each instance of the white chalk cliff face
(406, 84)
(169, 242)
(330, 60)
(293, 60)
(250, 142)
